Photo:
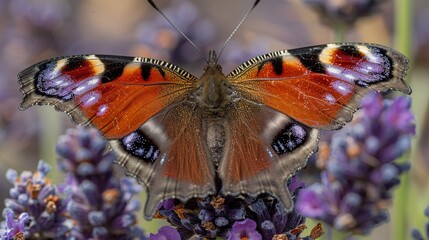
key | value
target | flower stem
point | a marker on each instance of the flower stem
(338, 235)
(403, 27)
(340, 32)
(50, 129)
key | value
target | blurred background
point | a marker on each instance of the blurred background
(34, 30)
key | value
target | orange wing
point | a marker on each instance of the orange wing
(285, 97)
(113, 93)
(321, 86)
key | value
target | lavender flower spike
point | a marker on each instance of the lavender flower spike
(102, 206)
(37, 203)
(357, 182)
(236, 217)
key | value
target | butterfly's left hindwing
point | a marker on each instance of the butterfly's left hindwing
(321, 86)
(167, 154)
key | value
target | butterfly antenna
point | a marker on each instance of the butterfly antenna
(236, 28)
(177, 29)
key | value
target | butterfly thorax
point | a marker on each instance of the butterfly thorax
(214, 91)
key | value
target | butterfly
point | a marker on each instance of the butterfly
(246, 132)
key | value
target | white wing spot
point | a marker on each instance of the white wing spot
(102, 109)
(86, 85)
(330, 98)
(90, 99)
(342, 87)
(349, 76)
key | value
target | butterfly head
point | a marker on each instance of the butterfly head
(212, 62)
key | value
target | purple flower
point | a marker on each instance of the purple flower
(312, 201)
(270, 215)
(208, 217)
(216, 216)
(101, 206)
(360, 172)
(333, 12)
(245, 229)
(33, 195)
(14, 228)
(165, 233)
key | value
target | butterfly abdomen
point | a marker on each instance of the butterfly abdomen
(215, 136)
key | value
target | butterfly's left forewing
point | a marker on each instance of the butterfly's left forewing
(107, 92)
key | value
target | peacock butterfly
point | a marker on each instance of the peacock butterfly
(243, 133)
